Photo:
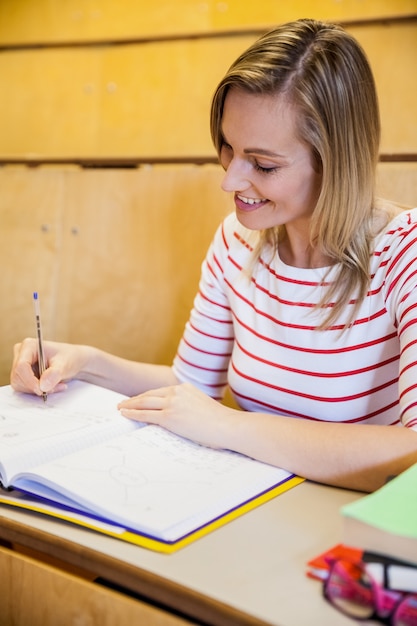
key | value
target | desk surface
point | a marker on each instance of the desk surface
(251, 571)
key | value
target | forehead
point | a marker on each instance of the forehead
(263, 117)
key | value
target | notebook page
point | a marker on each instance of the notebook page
(155, 482)
(33, 431)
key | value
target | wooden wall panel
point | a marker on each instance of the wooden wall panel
(398, 182)
(30, 218)
(115, 254)
(238, 14)
(50, 103)
(89, 20)
(392, 52)
(147, 101)
(161, 95)
(153, 100)
(132, 251)
(48, 21)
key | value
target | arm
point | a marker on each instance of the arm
(67, 361)
(353, 456)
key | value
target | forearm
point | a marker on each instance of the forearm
(353, 456)
(122, 375)
(344, 455)
(68, 361)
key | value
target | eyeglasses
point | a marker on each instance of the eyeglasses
(351, 589)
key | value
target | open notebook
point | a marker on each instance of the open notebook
(76, 458)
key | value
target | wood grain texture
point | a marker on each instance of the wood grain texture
(37, 594)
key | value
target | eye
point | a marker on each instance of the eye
(226, 155)
(265, 170)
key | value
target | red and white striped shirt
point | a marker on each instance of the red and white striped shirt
(259, 333)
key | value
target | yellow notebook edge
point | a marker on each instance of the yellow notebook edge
(143, 540)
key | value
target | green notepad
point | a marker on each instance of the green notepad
(393, 508)
(386, 521)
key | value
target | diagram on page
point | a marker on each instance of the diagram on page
(151, 475)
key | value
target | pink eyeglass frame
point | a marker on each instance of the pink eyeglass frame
(389, 605)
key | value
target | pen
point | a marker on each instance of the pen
(41, 358)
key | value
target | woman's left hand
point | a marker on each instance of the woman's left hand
(184, 410)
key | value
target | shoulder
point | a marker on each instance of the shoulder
(405, 219)
(231, 235)
(400, 232)
(394, 259)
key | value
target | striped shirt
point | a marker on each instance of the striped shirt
(258, 333)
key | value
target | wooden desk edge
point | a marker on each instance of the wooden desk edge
(150, 587)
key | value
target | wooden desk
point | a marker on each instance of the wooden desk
(250, 572)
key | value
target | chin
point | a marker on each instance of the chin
(252, 220)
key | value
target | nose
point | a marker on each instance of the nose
(237, 176)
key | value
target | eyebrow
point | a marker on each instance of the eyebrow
(263, 152)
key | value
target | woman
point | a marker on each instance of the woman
(307, 302)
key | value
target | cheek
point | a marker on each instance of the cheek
(306, 188)
(282, 188)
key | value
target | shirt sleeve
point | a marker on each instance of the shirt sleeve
(401, 303)
(205, 349)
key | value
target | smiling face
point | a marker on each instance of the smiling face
(270, 171)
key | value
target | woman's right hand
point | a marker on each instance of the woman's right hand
(63, 362)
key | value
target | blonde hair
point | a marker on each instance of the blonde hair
(324, 72)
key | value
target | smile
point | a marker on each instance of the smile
(251, 200)
(248, 204)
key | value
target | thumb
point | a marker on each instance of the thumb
(51, 380)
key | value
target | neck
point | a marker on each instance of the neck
(298, 253)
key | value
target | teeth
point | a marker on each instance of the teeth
(251, 200)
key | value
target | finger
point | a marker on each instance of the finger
(25, 382)
(26, 351)
(22, 377)
(51, 380)
(24, 374)
(24, 356)
(152, 399)
(145, 401)
(59, 387)
(144, 415)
